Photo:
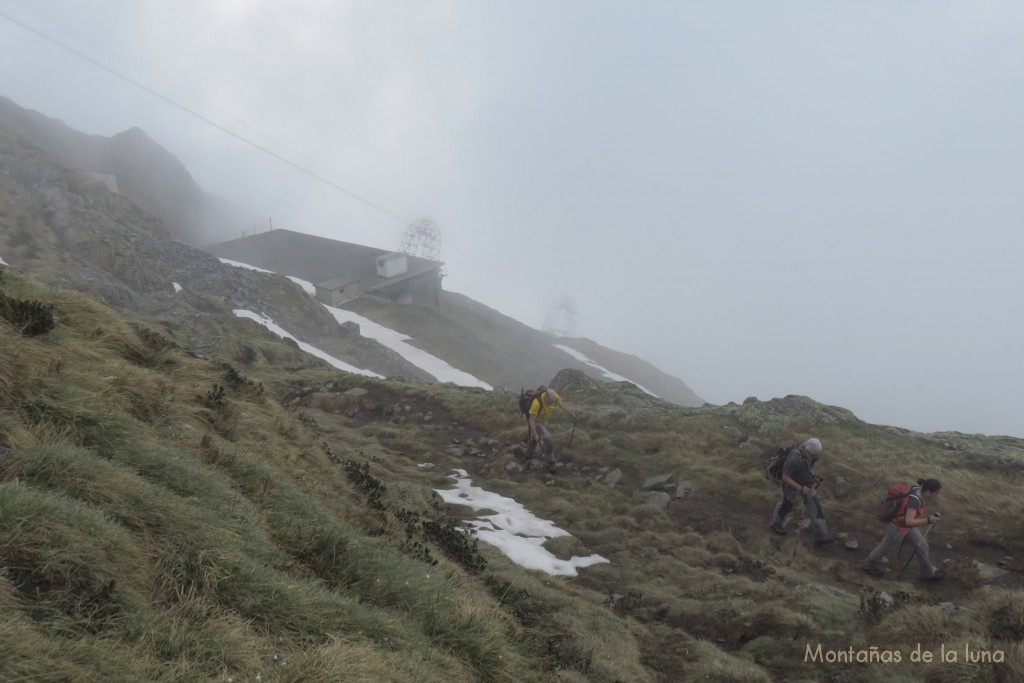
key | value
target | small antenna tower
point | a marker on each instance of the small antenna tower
(561, 318)
(423, 239)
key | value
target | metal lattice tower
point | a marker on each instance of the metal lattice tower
(423, 239)
(561, 318)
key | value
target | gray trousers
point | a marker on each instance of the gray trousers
(892, 539)
(547, 443)
(811, 504)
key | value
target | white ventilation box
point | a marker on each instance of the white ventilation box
(390, 265)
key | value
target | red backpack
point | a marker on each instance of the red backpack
(894, 504)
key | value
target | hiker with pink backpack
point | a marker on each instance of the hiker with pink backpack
(902, 511)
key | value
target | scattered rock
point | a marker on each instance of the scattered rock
(753, 446)
(684, 488)
(851, 544)
(513, 466)
(356, 392)
(426, 466)
(987, 572)
(456, 451)
(658, 480)
(613, 477)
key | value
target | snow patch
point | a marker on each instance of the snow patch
(607, 373)
(395, 341)
(308, 348)
(513, 529)
(237, 264)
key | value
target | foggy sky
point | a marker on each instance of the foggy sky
(797, 197)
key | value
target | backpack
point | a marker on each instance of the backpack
(773, 470)
(526, 399)
(894, 504)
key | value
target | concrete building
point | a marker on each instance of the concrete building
(339, 270)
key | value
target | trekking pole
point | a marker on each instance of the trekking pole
(926, 532)
(799, 528)
(573, 432)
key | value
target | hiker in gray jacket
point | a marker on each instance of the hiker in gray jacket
(798, 480)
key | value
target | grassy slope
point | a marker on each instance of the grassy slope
(162, 518)
(156, 527)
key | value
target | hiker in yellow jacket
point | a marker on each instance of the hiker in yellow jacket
(540, 412)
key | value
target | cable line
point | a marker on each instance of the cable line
(199, 116)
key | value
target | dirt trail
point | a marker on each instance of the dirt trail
(705, 513)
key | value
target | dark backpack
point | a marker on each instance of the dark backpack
(894, 504)
(526, 399)
(773, 469)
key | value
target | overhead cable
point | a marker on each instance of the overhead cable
(199, 116)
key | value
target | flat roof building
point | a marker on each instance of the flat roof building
(339, 270)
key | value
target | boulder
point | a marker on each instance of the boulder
(684, 488)
(656, 498)
(655, 481)
(613, 477)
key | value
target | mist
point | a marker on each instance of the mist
(762, 199)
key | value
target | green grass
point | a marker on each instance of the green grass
(166, 517)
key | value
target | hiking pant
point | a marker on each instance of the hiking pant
(892, 539)
(546, 441)
(787, 497)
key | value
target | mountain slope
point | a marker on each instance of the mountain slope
(147, 174)
(506, 353)
(72, 231)
(187, 496)
(165, 517)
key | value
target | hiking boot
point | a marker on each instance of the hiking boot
(939, 575)
(777, 529)
(823, 542)
(874, 571)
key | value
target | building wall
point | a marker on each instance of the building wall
(334, 297)
(422, 290)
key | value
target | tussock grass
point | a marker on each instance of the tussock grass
(164, 503)
(164, 517)
(711, 664)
